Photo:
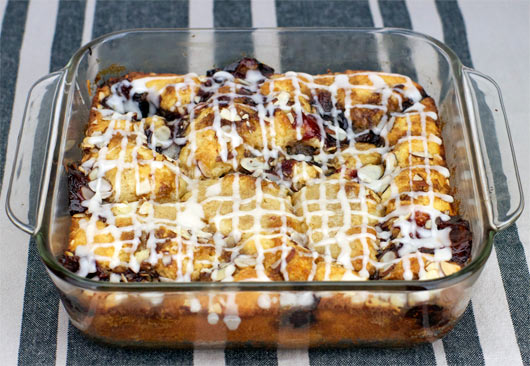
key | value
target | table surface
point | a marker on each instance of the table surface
(492, 36)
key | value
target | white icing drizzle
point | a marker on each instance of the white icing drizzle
(349, 220)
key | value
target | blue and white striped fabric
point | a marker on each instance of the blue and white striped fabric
(39, 36)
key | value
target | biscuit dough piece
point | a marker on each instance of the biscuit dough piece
(126, 172)
(340, 216)
(145, 237)
(144, 94)
(240, 206)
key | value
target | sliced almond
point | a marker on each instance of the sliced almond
(172, 152)
(449, 268)
(245, 261)
(338, 133)
(431, 275)
(203, 236)
(388, 257)
(253, 164)
(224, 272)
(186, 234)
(87, 165)
(162, 133)
(104, 186)
(145, 208)
(380, 185)
(87, 193)
(370, 173)
(93, 174)
(428, 224)
(105, 195)
(93, 185)
(421, 154)
(390, 162)
(417, 178)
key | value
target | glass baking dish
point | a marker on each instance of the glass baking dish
(289, 314)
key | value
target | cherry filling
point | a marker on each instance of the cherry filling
(287, 167)
(460, 236)
(310, 127)
(421, 218)
(145, 274)
(240, 68)
(300, 148)
(168, 115)
(324, 99)
(70, 262)
(428, 315)
(76, 182)
(125, 90)
(301, 317)
(371, 138)
(143, 103)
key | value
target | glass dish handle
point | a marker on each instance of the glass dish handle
(500, 176)
(31, 168)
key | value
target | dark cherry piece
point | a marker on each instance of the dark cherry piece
(168, 115)
(143, 103)
(310, 127)
(324, 98)
(301, 317)
(460, 236)
(406, 104)
(300, 148)
(287, 167)
(427, 316)
(421, 218)
(125, 90)
(240, 68)
(371, 138)
(76, 180)
(70, 262)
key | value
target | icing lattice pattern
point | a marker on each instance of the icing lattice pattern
(247, 175)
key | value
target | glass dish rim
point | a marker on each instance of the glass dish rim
(476, 264)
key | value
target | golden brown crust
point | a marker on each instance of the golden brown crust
(344, 319)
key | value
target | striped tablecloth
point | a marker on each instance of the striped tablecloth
(39, 36)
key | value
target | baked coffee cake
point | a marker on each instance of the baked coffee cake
(243, 174)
